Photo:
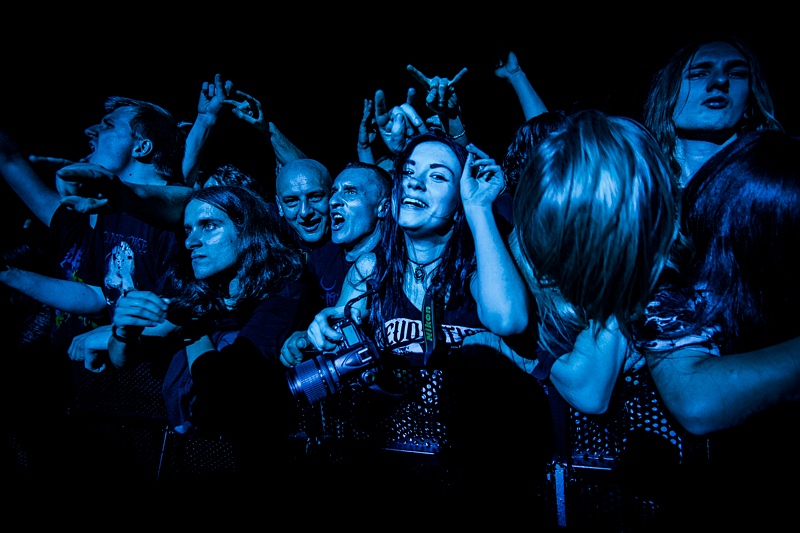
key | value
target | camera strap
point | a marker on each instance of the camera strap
(432, 317)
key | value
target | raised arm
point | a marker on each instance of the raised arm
(41, 199)
(529, 99)
(248, 108)
(441, 98)
(498, 286)
(212, 99)
(398, 123)
(94, 189)
(367, 133)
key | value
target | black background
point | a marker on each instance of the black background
(312, 68)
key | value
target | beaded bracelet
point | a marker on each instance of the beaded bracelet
(463, 132)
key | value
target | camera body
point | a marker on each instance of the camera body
(356, 357)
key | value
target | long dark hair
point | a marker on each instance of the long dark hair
(743, 216)
(458, 260)
(664, 88)
(264, 261)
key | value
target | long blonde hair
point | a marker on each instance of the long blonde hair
(596, 213)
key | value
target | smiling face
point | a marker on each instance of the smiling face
(302, 195)
(714, 91)
(211, 237)
(431, 189)
(356, 205)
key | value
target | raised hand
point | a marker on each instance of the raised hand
(482, 180)
(397, 124)
(249, 110)
(368, 128)
(391, 123)
(441, 97)
(87, 188)
(505, 69)
(213, 95)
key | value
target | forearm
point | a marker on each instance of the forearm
(365, 154)
(456, 129)
(158, 205)
(708, 393)
(195, 143)
(498, 287)
(285, 150)
(41, 199)
(70, 296)
(529, 99)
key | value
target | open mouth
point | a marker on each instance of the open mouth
(337, 221)
(92, 149)
(413, 202)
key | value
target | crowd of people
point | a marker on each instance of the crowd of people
(419, 318)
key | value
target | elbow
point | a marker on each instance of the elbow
(590, 407)
(507, 328)
(588, 402)
(697, 416)
(505, 324)
(586, 398)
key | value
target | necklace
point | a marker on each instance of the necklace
(419, 271)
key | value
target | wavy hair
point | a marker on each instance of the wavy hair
(596, 215)
(458, 260)
(264, 260)
(664, 88)
(153, 122)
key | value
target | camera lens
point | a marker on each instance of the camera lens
(312, 380)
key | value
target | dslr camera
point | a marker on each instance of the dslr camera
(356, 357)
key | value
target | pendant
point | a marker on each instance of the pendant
(419, 273)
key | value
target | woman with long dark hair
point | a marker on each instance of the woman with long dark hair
(441, 273)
